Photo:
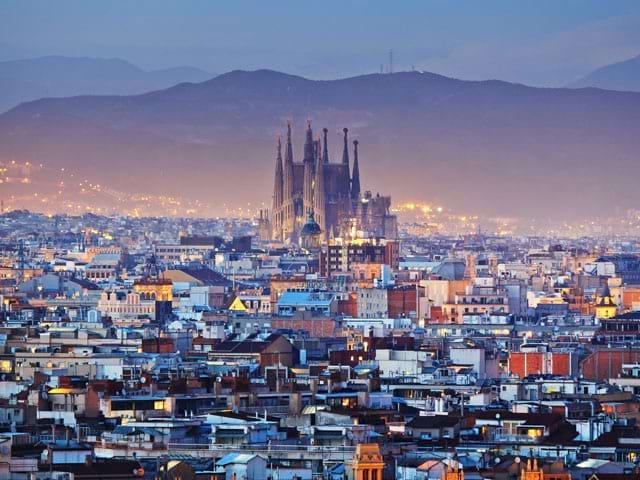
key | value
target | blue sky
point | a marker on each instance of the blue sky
(536, 42)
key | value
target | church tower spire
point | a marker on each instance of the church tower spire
(318, 144)
(288, 167)
(319, 194)
(345, 150)
(325, 146)
(355, 178)
(288, 155)
(279, 171)
(279, 181)
(308, 144)
(309, 167)
(288, 217)
(345, 183)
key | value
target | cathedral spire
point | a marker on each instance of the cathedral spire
(287, 221)
(319, 194)
(355, 178)
(288, 156)
(308, 144)
(345, 150)
(278, 189)
(278, 152)
(279, 172)
(325, 147)
(309, 167)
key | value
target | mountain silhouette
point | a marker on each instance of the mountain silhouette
(623, 76)
(57, 76)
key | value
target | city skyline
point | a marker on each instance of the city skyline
(354, 240)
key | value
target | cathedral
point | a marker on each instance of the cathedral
(327, 194)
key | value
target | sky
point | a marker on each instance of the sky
(537, 42)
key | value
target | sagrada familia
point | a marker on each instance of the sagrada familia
(323, 198)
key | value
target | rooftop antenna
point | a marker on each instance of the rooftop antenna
(390, 61)
(21, 262)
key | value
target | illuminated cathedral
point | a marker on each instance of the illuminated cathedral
(327, 193)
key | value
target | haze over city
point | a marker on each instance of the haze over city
(485, 129)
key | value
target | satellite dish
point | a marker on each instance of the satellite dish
(45, 395)
(517, 459)
(143, 380)
(497, 460)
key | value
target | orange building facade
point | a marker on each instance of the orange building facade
(524, 364)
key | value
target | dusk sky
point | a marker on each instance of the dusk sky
(546, 43)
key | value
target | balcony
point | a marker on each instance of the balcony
(515, 438)
(132, 445)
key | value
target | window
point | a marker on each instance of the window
(365, 474)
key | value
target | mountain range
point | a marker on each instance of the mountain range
(617, 76)
(487, 147)
(58, 76)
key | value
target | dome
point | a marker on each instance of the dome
(311, 227)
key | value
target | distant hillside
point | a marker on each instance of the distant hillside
(623, 76)
(489, 147)
(55, 76)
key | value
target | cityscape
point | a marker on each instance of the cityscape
(380, 242)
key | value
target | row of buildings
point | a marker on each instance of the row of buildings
(320, 341)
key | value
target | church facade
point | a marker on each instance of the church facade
(328, 191)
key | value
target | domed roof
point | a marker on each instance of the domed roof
(311, 227)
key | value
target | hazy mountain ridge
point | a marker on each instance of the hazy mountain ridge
(58, 76)
(492, 146)
(624, 76)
